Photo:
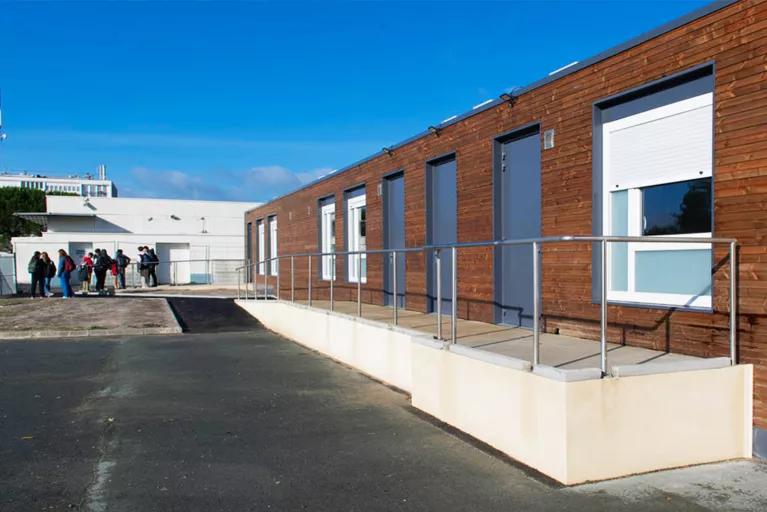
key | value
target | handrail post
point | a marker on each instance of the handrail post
(247, 284)
(309, 288)
(454, 298)
(359, 284)
(278, 277)
(332, 278)
(266, 276)
(394, 287)
(438, 301)
(239, 279)
(733, 303)
(536, 306)
(603, 310)
(292, 280)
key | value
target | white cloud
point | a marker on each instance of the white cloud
(172, 184)
(255, 184)
(308, 177)
(271, 175)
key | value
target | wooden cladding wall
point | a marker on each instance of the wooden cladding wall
(735, 40)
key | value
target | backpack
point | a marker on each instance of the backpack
(51, 269)
(69, 264)
(103, 262)
(32, 267)
(82, 273)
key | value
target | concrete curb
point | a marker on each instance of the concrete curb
(90, 333)
(567, 374)
(633, 370)
(172, 296)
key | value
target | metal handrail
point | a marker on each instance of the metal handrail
(537, 244)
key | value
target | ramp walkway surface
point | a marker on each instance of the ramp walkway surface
(555, 349)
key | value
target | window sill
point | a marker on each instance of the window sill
(659, 306)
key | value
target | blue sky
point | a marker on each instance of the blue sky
(248, 100)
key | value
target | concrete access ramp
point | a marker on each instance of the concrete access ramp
(571, 425)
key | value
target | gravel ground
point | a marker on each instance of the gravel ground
(83, 313)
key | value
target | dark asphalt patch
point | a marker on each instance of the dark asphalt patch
(203, 315)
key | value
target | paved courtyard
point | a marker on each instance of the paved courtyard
(231, 417)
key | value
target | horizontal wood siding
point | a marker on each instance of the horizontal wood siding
(735, 39)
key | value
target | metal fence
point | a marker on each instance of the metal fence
(221, 272)
(536, 245)
(7, 274)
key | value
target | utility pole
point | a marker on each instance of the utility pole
(3, 135)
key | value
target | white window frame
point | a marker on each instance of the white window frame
(354, 206)
(635, 213)
(261, 237)
(327, 240)
(274, 265)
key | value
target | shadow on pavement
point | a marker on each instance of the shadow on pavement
(201, 315)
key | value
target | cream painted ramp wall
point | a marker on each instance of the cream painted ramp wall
(595, 429)
(621, 426)
(571, 431)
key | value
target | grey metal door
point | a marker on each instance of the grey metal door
(520, 217)
(442, 225)
(394, 235)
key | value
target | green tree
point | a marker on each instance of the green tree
(13, 200)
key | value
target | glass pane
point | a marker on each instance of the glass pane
(686, 272)
(619, 225)
(677, 208)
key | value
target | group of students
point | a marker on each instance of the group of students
(99, 263)
(42, 270)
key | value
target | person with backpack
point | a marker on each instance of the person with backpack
(50, 273)
(120, 264)
(66, 267)
(143, 266)
(153, 262)
(100, 267)
(85, 272)
(36, 269)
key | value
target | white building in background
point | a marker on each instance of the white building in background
(203, 238)
(87, 185)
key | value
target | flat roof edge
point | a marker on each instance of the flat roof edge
(563, 72)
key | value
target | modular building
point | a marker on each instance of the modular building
(192, 234)
(662, 136)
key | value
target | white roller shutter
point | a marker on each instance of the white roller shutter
(663, 145)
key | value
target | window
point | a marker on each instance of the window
(274, 265)
(677, 208)
(328, 237)
(261, 247)
(249, 243)
(356, 213)
(657, 179)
